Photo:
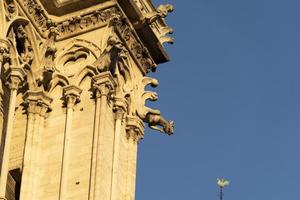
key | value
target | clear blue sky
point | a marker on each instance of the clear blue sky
(233, 89)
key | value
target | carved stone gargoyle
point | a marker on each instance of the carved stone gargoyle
(24, 47)
(50, 50)
(153, 117)
(112, 54)
(157, 122)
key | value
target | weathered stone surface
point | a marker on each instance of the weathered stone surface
(73, 79)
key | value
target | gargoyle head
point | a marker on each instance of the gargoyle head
(169, 128)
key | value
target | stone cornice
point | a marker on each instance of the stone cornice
(70, 27)
(145, 30)
(4, 52)
(87, 21)
(136, 48)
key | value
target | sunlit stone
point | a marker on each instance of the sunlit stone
(72, 107)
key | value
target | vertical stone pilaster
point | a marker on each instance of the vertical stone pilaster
(2, 20)
(43, 107)
(120, 108)
(100, 180)
(94, 147)
(135, 132)
(72, 97)
(37, 106)
(15, 77)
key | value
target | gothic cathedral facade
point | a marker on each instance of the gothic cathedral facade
(72, 91)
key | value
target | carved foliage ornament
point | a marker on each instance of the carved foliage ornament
(71, 26)
(139, 51)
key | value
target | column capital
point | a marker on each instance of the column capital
(37, 102)
(135, 128)
(120, 107)
(15, 76)
(104, 84)
(72, 95)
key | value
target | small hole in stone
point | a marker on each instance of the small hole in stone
(77, 183)
(81, 109)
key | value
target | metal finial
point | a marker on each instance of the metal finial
(222, 183)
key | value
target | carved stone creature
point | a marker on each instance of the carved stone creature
(51, 49)
(24, 47)
(4, 56)
(11, 11)
(153, 116)
(39, 14)
(164, 10)
(112, 54)
(157, 122)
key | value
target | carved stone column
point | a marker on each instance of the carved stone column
(72, 97)
(120, 108)
(100, 179)
(135, 132)
(15, 78)
(37, 105)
